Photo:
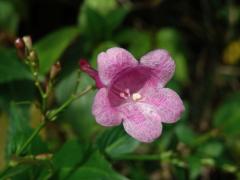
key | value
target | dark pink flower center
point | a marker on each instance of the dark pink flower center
(127, 84)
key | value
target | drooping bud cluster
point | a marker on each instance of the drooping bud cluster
(26, 52)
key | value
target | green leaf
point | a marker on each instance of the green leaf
(69, 155)
(116, 142)
(78, 114)
(11, 68)
(51, 47)
(139, 42)
(115, 18)
(19, 129)
(103, 7)
(185, 135)
(227, 116)
(194, 164)
(98, 19)
(175, 85)
(170, 39)
(96, 168)
(211, 149)
(9, 19)
(15, 172)
(181, 73)
(92, 24)
(179, 173)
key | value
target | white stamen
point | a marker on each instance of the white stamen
(136, 96)
(127, 91)
(122, 95)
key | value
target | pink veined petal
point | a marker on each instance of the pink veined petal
(141, 121)
(162, 65)
(102, 110)
(169, 105)
(113, 61)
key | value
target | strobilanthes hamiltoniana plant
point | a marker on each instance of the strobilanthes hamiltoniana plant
(132, 92)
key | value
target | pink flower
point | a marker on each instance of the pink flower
(132, 92)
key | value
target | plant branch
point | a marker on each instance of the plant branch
(30, 139)
(73, 97)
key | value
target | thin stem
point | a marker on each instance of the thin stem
(69, 101)
(147, 157)
(30, 139)
(133, 157)
(78, 81)
(39, 87)
(85, 91)
(167, 156)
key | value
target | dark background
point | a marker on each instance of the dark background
(203, 38)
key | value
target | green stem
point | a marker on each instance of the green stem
(167, 157)
(78, 81)
(68, 102)
(30, 139)
(134, 157)
(39, 87)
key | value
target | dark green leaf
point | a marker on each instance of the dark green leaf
(11, 67)
(194, 164)
(79, 113)
(186, 135)
(92, 24)
(14, 172)
(96, 168)
(115, 142)
(211, 149)
(51, 47)
(103, 7)
(9, 19)
(69, 155)
(19, 129)
(139, 42)
(115, 18)
(227, 117)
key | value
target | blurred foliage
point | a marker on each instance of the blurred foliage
(231, 53)
(9, 18)
(50, 48)
(9, 64)
(201, 36)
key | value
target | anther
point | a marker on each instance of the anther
(136, 96)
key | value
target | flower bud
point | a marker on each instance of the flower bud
(32, 56)
(55, 69)
(28, 42)
(86, 67)
(20, 46)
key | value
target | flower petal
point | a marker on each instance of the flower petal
(102, 110)
(161, 63)
(169, 105)
(112, 62)
(141, 121)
